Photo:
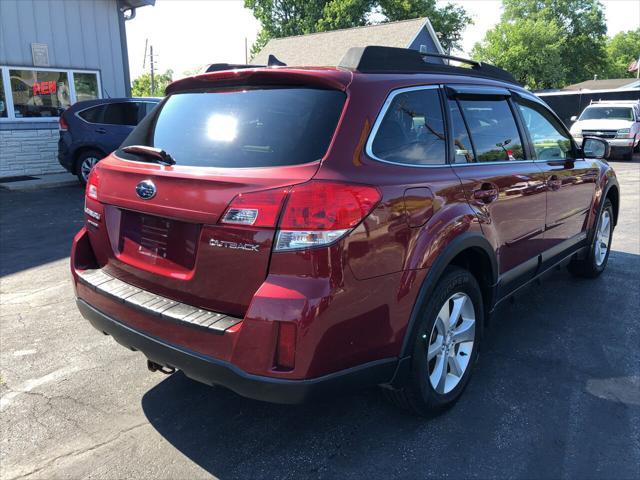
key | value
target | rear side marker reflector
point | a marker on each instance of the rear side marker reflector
(286, 346)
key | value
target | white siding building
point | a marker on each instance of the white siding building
(52, 54)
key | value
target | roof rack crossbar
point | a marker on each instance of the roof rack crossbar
(450, 57)
(377, 59)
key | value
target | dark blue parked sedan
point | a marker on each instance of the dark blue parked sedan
(90, 130)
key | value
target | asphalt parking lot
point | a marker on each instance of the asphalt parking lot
(556, 393)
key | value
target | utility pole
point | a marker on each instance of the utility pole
(153, 83)
(246, 57)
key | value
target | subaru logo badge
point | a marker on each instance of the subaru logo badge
(146, 189)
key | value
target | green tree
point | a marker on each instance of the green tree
(531, 50)
(283, 18)
(582, 31)
(448, 21)
(338, 14)
(622, 49)
(141, 86)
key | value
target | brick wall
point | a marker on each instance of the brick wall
(29, 152)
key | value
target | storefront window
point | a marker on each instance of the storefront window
(3, 100)
(86, 85)
(39, 93)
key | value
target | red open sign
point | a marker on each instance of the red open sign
(44, 88)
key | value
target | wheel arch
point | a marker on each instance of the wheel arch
(82, 149)
(469, 250)
(613, 194)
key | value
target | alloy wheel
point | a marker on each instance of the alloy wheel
(87, 165)
(451, 342)
(603, 237)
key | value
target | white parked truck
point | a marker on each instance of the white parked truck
(616, 121)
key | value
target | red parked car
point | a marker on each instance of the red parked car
(286, 232)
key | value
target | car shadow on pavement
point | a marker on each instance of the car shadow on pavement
(37, 226)
(529, 411)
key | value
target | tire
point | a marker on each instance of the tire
(594, 263)
(636, 147)
(628, 156)
(85, 162)
(426, 393)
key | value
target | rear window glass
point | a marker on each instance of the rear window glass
(493, 130)
(607, 113)
(249, 128)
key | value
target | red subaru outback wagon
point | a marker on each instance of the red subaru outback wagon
(286, 232)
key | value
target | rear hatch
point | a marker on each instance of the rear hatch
(169, 229)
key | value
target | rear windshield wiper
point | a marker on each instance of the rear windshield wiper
(154, 154)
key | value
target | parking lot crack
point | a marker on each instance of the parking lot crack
(79, 451)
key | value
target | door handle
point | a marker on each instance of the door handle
(554, 183)
(487, 193)
(100, 130)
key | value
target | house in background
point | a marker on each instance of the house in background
(327, 48)
(52, 54)
(607, 84)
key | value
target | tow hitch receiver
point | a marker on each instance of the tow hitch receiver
(155, 367)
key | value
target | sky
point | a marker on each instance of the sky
(187, 34)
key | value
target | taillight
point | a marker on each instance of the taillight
(258, 209)
(92, 185)
(319, 213)
(62, 124)
(315, 213)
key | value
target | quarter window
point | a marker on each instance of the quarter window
(462, 148)
(548, 140)
(493, 130)
(412, 130)
(39, 93)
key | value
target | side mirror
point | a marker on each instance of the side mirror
(573, 118)
(595, 147)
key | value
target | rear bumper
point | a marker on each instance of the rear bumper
(65, 157)
(213, 371)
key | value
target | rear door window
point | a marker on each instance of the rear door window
(247, 128)
(493, 130)
(126, 113)
(412, 130)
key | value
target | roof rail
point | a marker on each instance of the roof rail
(377, 59)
